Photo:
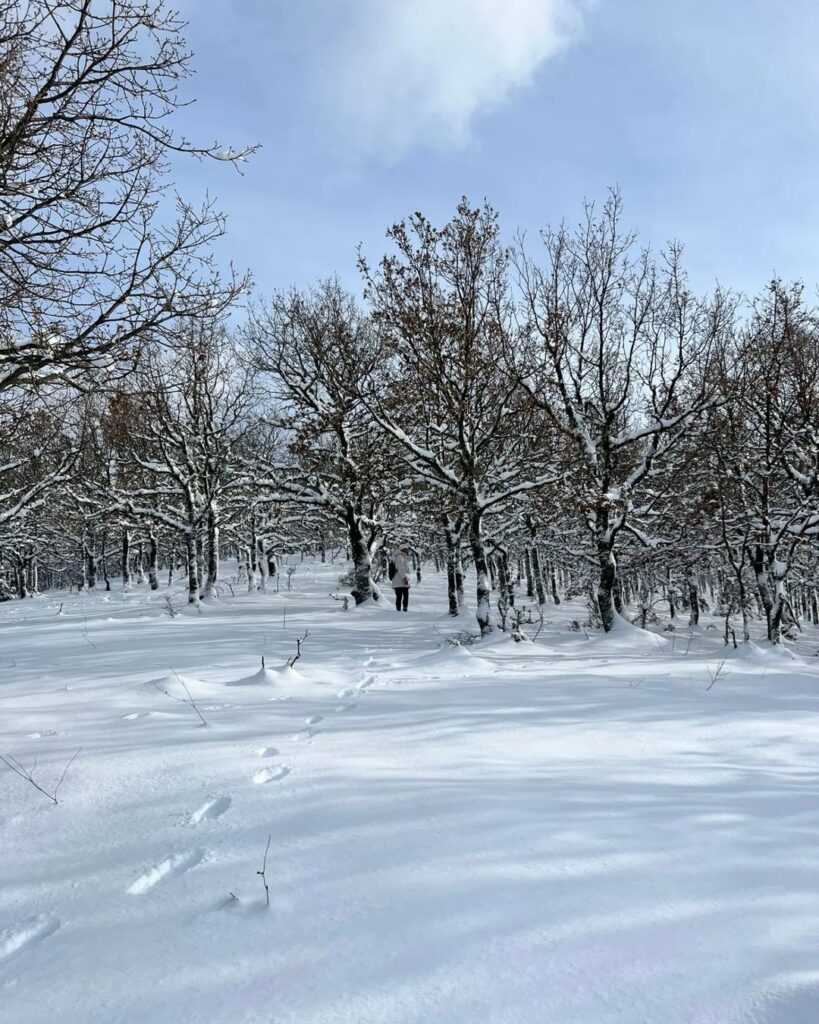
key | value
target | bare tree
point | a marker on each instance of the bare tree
(316, 347)
(616, 357)
(464, 426)
(88, 91)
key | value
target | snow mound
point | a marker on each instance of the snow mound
(176, 683)
(264, 677)
(461, 661)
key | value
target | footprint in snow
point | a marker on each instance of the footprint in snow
(344, 694)
(135, 714)
(170, 867)
(267, 752)
(212, 809)
(366, 683)
(304, 734)
(271, 774)
(21, 937)
(313, 720)
(345, 707)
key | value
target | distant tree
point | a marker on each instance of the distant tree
(314, 348)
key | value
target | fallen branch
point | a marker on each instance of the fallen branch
(28, 774)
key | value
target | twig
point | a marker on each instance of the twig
(720, 672)
(182, 700)
(262, 873)
(85, 635)
(28, 773)
(299, 641)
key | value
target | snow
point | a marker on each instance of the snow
(575, 830)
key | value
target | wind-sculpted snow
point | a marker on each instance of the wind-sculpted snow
(578, 830)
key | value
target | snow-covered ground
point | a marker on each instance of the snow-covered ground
(576, 831)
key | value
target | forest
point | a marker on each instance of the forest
(564, 414)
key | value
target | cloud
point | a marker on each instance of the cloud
(418, 72)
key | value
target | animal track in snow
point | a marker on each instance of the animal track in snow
(267, 752)
(304, 734)
(345, 707)
(212, 809)
(344, 694)
(314, 719)
(271, 774)
(170, 867)
(14, 941)
(366, 683)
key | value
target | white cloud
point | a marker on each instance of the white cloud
(420, 71)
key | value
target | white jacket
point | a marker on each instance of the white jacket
(402, 570)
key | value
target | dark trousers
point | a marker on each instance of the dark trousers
(401, 598)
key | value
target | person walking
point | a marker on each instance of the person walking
(400, 577)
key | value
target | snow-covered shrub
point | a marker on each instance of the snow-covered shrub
(462, 638)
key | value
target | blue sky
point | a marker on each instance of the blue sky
(704, 112)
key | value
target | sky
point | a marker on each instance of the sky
(703, 113)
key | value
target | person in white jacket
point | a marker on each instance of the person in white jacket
(400, 578)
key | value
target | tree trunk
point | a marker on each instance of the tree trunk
(126, 558)
(193, 568)
(505, 579)
(212, 568)
(104, 563)
(250, 565)
(451, 586)
(261, 564)
(91, 564)
(459, 575)
(200, 556)
(483, 591)
(693, 597)
(153, 561)
(608, 570)
(553, 581)
(527, 568)
(778, 571)
(452, 537)
(605, 586)
(360, 553)
(537, 572)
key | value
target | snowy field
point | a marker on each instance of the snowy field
(577, 831)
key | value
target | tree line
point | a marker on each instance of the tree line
(564, 417)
